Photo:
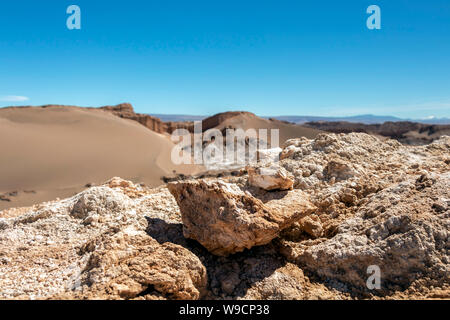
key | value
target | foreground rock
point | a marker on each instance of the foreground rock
(93, 246)
(226, 220)
(379, 203)
(130, 264)
(406, 239)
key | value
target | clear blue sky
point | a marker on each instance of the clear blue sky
(203, 57)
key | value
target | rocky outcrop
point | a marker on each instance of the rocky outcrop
(406, 239)
(379, 203)
(130, 264)
(216, 120)
(226, 220)
(94, 246)
(126, 111)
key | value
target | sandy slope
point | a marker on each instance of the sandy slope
(287, 131)
(54, 152)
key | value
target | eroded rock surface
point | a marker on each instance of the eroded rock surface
(379, 203)
(226, 220)
(131, 264)
(94, 246)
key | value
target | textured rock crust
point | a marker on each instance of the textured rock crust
(379, 203)
(94, 246)
(131, 264)
(226, 220)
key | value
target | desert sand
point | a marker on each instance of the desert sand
(54, 152)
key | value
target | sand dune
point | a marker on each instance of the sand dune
(246, 120)
(50, 152)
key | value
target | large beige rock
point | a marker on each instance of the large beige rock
(132, 265)
(404, 230)
(226, 220)
(94, 245)
(270, 177)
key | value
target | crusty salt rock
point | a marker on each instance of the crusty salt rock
(100, 200)
(406, 239)
(339, 170)
(226, 220)
(131, 264)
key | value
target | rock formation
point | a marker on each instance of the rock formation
(226, 220)
(94, 246)
(407, 239)
(125, 110)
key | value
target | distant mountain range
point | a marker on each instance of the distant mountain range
(365, 119)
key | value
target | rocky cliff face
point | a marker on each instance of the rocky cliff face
(125, 110)
(356, 202)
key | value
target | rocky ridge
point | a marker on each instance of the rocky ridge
(411, 133)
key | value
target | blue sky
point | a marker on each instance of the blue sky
(203, 57)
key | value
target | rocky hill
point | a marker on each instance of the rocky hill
(307, 227)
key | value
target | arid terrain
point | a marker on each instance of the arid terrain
(306, 227)
(54, 151)
(224, 159)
